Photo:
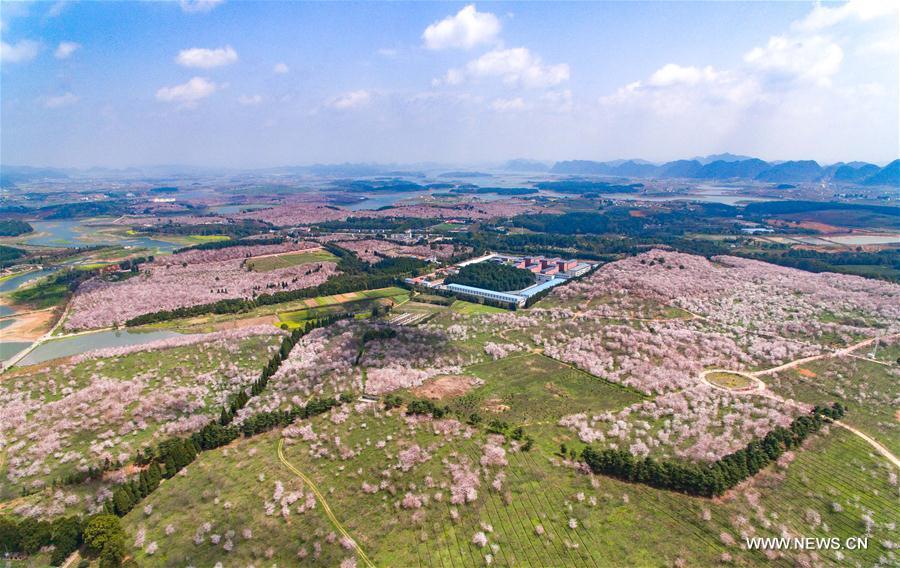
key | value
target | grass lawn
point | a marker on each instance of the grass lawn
(274, 262)
(729, 380)
(469, 308)
(42, 294)
(540, 390)
(351, 301)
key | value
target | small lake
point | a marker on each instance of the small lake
(376, 200)
(231, 209)
(81, 233)
(10, 348)
(729, 199)
(69, 346)
(16, 281)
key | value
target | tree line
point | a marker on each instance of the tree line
(103, 533)
(710, 480)
(356, 275)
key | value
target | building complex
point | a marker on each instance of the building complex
(549, 272)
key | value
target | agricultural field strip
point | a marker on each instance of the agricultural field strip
(323, 501)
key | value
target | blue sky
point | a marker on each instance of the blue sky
(273, 83)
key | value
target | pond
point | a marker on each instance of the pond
(69, 346)
(231, 209)
(726, 199)
(376, 200)
(10, 348)
(16, 281)
(85, 232)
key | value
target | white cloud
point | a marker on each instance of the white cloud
(65, 49)
(673, 74)
(57, 8)
(814, 58)
(509, 105)
(187, 94)
(353, 99)
(516, 67)
(19, 52)
(281, 68)
(673, 90)
(465, 30)
(195, 6)
(206, 58)
(250, 100)
(791, 96)
(881, 46)
(558, 101)
(65, 99)
(824, 16)
(388, 52)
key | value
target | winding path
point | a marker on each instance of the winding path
(760, 388)
(337, 524)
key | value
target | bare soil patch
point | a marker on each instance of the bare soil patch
(28, 327)
(494, 405)
(806, 372)
(246, 322)
(447, 386)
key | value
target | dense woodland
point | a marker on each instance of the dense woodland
(492, 276)
(14, 228)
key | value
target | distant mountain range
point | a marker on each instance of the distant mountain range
(714, 167)
(729, 166)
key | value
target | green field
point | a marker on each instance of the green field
(44, 293)
(352, 302)
(729, 380)
(615, 523)
(541, 390)
(469, 308)
(274, 262)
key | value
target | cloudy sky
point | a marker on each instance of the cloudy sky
(250, 84)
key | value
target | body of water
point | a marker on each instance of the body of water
(231, 209)
(16, 281)
(727, 199)
(10, 348)
(377, 200)
(68, 346)
(78, 233)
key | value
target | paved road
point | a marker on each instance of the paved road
(337, 524)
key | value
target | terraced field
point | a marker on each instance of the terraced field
(276, 261)
(352, 302)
